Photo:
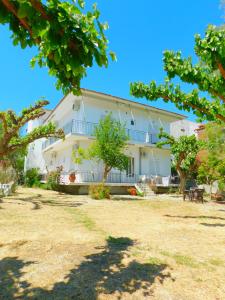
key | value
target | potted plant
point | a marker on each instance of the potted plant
(72, 177)
(132, 191)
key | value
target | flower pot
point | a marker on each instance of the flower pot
(72, 177)
(132, 192)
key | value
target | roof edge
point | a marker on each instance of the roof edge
(122, 100)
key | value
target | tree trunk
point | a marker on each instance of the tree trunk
(183, 180)
(211, 183)
(105, 173)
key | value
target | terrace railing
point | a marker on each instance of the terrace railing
(89, 176)
(88, 128)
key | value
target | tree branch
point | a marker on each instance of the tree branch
(221, 68)
(31, 138)
(10, 7)
(38, 6)
(4, 122)
(195, 107)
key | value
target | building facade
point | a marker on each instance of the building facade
(184, 127)
(78, 116)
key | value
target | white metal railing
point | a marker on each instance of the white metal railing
(88, 128)
(115, 177)
(89, 176)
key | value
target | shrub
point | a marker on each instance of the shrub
(32, 178)
(52, 180)
(99, 192)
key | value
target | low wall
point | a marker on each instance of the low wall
(83, 189)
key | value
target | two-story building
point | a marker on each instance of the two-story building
(78, 116)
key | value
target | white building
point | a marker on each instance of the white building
(183, 127)
(78, 116)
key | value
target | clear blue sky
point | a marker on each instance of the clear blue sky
(139, 32)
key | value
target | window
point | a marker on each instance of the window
(130, 167)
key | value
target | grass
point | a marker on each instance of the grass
(82, 218)
(216, 262)
(181, 259)
(56, 246)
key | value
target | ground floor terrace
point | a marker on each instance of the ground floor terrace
(57, 246)
(146, 163)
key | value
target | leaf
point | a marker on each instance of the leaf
(113, 56)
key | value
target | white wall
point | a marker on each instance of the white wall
(91, 108)
(183, 127)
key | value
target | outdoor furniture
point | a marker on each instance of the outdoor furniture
(6, 189)
(194, 194)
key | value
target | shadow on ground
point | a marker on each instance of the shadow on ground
(38, 201)
(102, 272)
(213, 225)
(196, 217)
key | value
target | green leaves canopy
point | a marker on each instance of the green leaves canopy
(184, 151)
(11, 124)
(213, 165)
(68, 37)
(208, 74)
(111, 138)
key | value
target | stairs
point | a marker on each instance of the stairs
(145, 189)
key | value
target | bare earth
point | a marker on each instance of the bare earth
(56, 246)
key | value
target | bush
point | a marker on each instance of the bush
(99, 192)
(32, 178)
(52, 181)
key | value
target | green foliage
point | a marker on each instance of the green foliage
(17, 159)
(111, 138)
(108, 147)
(68, 37)
(11, 141)
(52, 180)
(184, 151)
(32, 178)
(208, 74)
(99, 192)
(212, 167)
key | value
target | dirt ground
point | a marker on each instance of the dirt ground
(56, 246)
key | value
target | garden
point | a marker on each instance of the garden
(57, 246)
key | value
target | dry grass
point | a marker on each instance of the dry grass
(56, 246)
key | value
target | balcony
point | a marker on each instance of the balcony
(84, 128)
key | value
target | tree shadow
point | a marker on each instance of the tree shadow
(196, 217)
(213, 225)
(38, 201)
(10, 278)
(105, 272)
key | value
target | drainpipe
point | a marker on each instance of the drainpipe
(140, 169)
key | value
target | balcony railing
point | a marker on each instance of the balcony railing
(88, 128)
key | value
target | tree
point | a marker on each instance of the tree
(68, 37)
(111, 138)
(208, 74)
(184, 151)
(11, 141)
(212, 166)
